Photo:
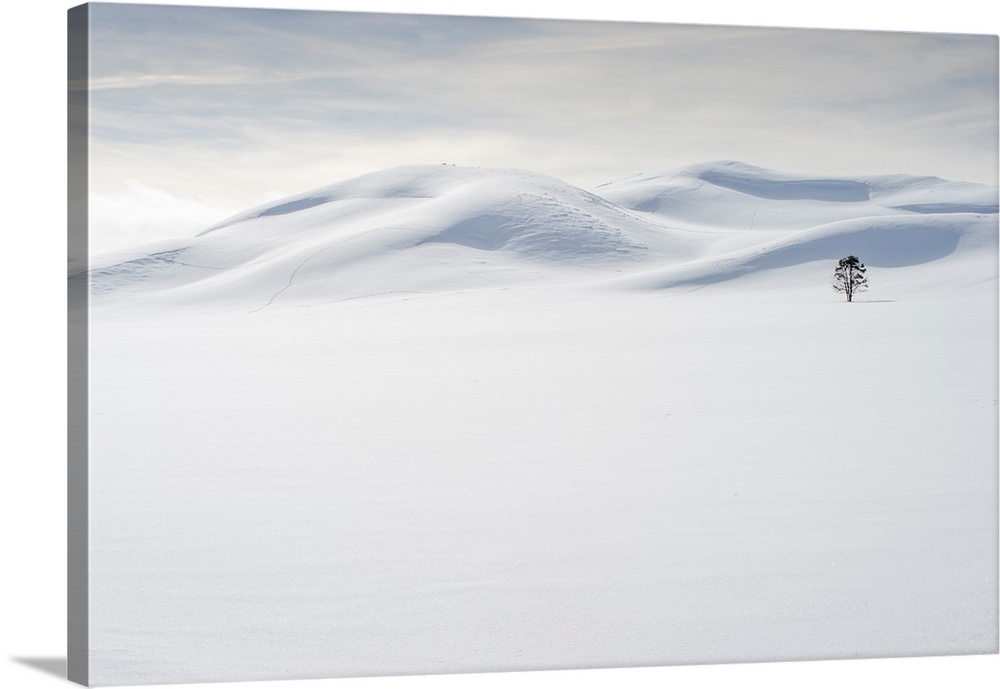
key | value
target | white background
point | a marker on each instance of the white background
(32, 435)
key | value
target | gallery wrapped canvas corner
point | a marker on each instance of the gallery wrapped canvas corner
(415, 344)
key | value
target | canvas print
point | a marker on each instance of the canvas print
(408, 344)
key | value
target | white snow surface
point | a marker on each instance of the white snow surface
(442, 419)
(429, 229)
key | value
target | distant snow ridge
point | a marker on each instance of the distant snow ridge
(489, 210)
(776, 186)
(732, 195)
(444, 228)
(407, 229)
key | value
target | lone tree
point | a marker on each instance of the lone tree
(849, 277)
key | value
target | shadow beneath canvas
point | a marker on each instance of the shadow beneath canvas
(50, 665)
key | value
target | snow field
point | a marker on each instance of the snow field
(545, 477)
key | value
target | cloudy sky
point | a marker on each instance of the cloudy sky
(198, 113)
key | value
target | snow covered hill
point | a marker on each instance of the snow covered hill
(732, 195)
(440, 228)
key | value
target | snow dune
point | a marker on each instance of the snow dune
(427, 229)
(421, 228)
(731, 196)
(769, 184)
(884, 242)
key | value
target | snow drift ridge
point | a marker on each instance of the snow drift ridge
(436, 227)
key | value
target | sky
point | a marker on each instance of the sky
(198, 113)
